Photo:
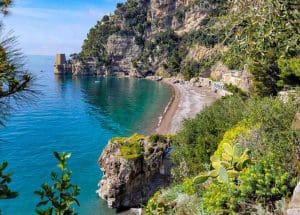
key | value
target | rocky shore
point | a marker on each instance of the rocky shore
(134, 168)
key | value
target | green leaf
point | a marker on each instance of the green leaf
(42, 203)
(200, 179)
(223, 177)
(228, 149)
(57, 156)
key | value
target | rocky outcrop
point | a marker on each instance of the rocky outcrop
(294, 206)
(75, 66)
(133, 169)
(123, 50)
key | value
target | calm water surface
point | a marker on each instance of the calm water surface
(74, 115)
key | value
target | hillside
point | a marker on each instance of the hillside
(187, 38)
(241, 154)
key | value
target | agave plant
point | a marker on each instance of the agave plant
(227, 166)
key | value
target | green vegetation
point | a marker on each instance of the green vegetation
(260, 33)
(260, 36)
(13, 81)
(5, 179)
(199, 137)
(213, 161)
(62, 194)
(130, 146)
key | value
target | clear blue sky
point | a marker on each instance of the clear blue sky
(49, 26)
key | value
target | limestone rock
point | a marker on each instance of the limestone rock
(129, 178)
(123, 51)
(294, 206)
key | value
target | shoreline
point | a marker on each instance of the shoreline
(165, 120)
(187, 101)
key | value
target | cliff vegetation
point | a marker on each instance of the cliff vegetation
(187, 38)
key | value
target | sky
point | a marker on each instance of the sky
(47, 27)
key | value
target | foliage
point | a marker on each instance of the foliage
(59, 197)
(221, 198)
(179, 199)
(130, 19)
(157, 138)
(227, 166)
(260, 33)
(4, 5)
(13, 79)
(266, 182)
(290, 71)
(236, 91)
(263, 184)
(130, 147)
(95, 44)
(271, 133)
(242, 129)
(5, 179)
(117, 140)
(198, 139)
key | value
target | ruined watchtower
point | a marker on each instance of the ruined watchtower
(60, 66)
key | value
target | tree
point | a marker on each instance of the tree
(4, 4)
(62, 194)
(12, 81)
(13, 78)
(5, 179)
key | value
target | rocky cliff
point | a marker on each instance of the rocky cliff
(133, 169)
(142, 36)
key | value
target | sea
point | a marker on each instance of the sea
(77, 115)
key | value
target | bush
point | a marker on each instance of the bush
(130, 146)
(179, 199)
(221, 198)
(157, 138)
(59, 197)
(271, 133)
(266, 182)
(289, 71)
(5, 179)
(198, 139)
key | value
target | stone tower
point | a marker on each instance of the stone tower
(60, 66)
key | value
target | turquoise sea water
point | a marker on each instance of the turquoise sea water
(74, 115)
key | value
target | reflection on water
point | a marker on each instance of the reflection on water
(119, 100)
(77, 115)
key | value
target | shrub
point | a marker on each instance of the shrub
(157, 138)
(289, 70)
(179, 199)
(198, 139)
(5, 179)
(130, 147)
(221, 198)
(266, 182)
(62, 194)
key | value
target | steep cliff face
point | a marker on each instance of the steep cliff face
(141, 35)
(123, 50)
(133, 169)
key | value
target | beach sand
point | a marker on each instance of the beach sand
(187, 101)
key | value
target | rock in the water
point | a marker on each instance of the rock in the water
(134, 169)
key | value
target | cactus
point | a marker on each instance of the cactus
(227, 166)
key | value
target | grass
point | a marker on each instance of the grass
(130, 146)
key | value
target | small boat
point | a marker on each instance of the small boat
(96, 82)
